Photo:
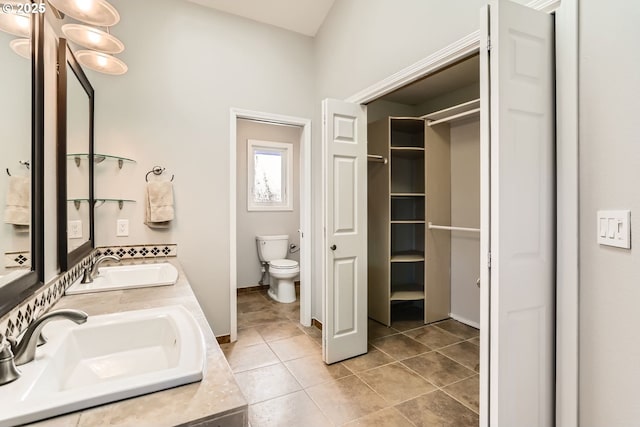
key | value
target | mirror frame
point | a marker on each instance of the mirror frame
(14, 292)
(68, 259)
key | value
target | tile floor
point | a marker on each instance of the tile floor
(413, 375)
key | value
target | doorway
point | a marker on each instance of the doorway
(302, 237)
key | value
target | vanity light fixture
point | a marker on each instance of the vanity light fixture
(92, 38)
(94, 12)
(101, 62)
(16, 24)
(22, 47)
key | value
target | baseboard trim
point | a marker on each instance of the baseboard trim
(256, 288)
(465, 321)
(223, 339)
(316, 323)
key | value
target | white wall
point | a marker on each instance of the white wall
(609, 179)
(253, 223)
(188, 65)
(465, 212)
(364, 41)
(15, 137)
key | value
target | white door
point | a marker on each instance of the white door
(344, 139)
(518, 206)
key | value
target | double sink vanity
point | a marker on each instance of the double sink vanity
(146, 354)
(127, 344)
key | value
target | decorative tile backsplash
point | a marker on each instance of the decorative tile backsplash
(140, 251)
(18, 259)
(21, 316)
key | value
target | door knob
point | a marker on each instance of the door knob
(333, 247)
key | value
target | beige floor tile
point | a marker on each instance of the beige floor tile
(458, 329)
(247, 337)
(466, 391)
(438, 369)
(395, 383)
(432, 337)
(405, 325)
(345, 399)
(388, 417)
(400, 346)
(311, 370)
(378, 330)
(475, 341)
(295, 409)
(314, 333)
(255, 318)
(295, 347)
(438, 409)
(261, 384)
(464, 353)
(253, 306)
(278, 331)
(372, 359)
(245, 358)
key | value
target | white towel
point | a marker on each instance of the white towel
(159, 204)
(18, 198)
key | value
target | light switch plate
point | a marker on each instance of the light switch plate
(122, 228)
(75, 229)
(614, 228)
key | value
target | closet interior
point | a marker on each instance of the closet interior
(424, 199)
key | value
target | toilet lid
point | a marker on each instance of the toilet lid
(284, 263)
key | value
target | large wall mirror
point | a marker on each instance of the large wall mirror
(75, 160)
(21, 153)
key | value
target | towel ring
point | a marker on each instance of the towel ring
(8, 173)
(157, 170)
(23, 163)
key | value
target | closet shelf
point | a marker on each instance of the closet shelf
(457, 112)
(99, 158)
(406, 149)
(408, 221)
(407, 194)
(407, 295)
(407, 256)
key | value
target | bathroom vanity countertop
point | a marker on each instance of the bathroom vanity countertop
(217, 395)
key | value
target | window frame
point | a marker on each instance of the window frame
(286, 181)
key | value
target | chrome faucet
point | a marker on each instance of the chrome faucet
(25, 350)
(91, 271)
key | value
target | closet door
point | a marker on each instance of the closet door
(520, 203)
(344, 140)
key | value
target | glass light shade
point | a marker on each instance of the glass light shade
(101, 62)
(22, 47)
(92, 38)
(94, 12)
(18, 25)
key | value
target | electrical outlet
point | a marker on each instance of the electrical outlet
(75, 229)
(122, 228)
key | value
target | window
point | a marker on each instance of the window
(270, 174)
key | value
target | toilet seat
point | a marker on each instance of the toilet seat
(284, 264)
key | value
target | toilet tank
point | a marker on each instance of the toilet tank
(272, 247)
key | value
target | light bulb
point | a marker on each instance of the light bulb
(84, 5)
(102, 61)
(93, 37)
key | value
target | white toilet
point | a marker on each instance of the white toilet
(273, 250)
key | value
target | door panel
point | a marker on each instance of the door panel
(520, 141)
(345, 224)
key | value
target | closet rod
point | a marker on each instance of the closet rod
(454, 117)
(377, 158)
(447, 227)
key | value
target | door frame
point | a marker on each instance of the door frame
(567, 185)
(305, 209)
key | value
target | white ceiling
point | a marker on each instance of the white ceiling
(302, 16)
(459, 75)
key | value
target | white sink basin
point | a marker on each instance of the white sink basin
(127, 277)
(110, 357)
